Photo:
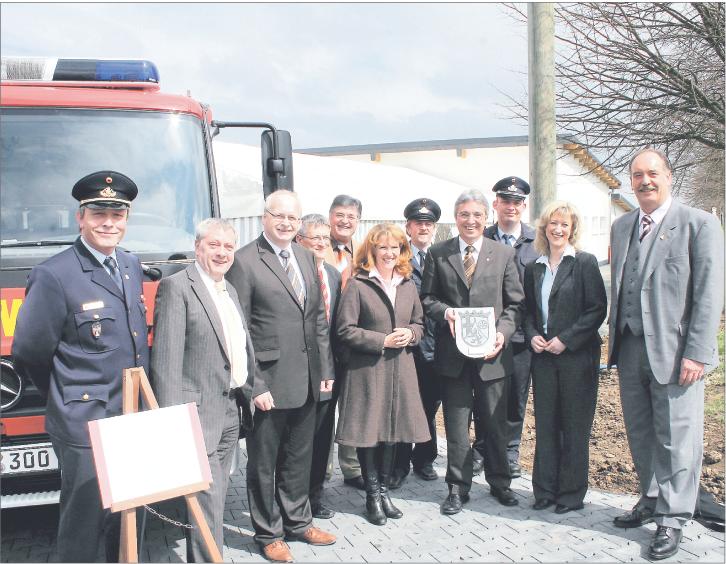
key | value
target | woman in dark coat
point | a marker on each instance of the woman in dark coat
(566, 304)
(379, 319)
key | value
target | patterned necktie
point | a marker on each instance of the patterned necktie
(646, 224)
(469, 264)
(233, 334)
(324, 292)
(421, 259)
(342, 256)
(292, 275)
(110, 263)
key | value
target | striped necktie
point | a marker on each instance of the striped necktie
(469, 264)
(646, 224)
(292, 275)
(421, 259)
(341, 254)
(324, 292)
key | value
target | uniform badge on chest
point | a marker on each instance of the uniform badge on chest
(96, 329)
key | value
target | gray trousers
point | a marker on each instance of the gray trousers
(664, 424)
(212, 500)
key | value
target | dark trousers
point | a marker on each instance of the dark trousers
(279, 456)
(459, 396)
(565, 397)
(212, 500)
(83, 520)
(516, 403)
(322, 442)
(423, 453)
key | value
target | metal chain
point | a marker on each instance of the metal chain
(167, 519)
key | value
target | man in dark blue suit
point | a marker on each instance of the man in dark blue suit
(82, 323)
(421, 217)
(314, 234)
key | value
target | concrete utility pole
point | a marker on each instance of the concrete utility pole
(542, 127)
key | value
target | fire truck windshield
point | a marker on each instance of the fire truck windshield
(46, 150)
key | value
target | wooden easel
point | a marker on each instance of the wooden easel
(135, 381)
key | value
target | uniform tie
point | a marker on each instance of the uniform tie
(324, 292)
(110, 263)
(292, 275)
(646, 224)
(509, 240)
(234, 336)
(421, 259)
(469, 264)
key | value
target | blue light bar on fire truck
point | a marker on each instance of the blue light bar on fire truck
(78, 70)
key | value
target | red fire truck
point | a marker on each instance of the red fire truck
(61, 119)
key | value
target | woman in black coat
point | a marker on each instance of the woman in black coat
(566, 304)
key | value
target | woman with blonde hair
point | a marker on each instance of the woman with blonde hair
(565, 305)
(379, 319)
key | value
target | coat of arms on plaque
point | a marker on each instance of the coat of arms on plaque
(475, 330)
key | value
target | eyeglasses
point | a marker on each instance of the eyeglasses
(349, 216)
(280, 217)
(317, 239)
(466, 215)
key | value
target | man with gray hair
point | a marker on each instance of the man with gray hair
(203, 353)
(470, 270)
(314, 234)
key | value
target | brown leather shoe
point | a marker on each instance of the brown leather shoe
(277, 551)
(316, 537)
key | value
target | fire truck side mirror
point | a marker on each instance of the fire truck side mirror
(276, 168)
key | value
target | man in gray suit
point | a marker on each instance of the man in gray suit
(667, 297)
(202, 353)
(278, 285)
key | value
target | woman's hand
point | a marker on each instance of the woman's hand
(539, 343)
(400, 338)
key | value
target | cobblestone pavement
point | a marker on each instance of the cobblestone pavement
(483, 532)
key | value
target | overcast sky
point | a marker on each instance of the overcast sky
(332, 74)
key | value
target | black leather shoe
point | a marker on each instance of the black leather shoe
(560, 509)
(426, 472)
(321, 512)
(515, 470)
(637, 517)
(477, 466)
(453, 503)
(541, 504)
(665, 543)
(396, 481)
(356, 482)
(505, 496)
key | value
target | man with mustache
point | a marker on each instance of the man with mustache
(82, 323)
(666, 302)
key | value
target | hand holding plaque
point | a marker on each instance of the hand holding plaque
(476, 331)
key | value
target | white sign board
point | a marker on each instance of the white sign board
(476, 331)
(149, 456)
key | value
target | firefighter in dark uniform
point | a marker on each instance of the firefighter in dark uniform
(82, 323)
(510, 202)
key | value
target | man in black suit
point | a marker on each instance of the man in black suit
(421, 217)
(509, 203)
(314, 234)
(472, 271)
(278, 287)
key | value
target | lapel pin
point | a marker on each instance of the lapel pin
(126, 276)
(662, 237)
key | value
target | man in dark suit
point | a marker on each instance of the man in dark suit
(279, 290)
(202, 353)
(421, 216)
(510, 202)
(666, 302)
(314, 234)
(344, 214)
(472, 271)
(82, 323)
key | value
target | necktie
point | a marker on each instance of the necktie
(421, 259)
(324, 292)
(292, 275)
(469, 264)
(509, 240)
(342, 257)
(112, 267)
(233, 334)
(646, 224)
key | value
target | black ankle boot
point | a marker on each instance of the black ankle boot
(388, 458)
(374, 507)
